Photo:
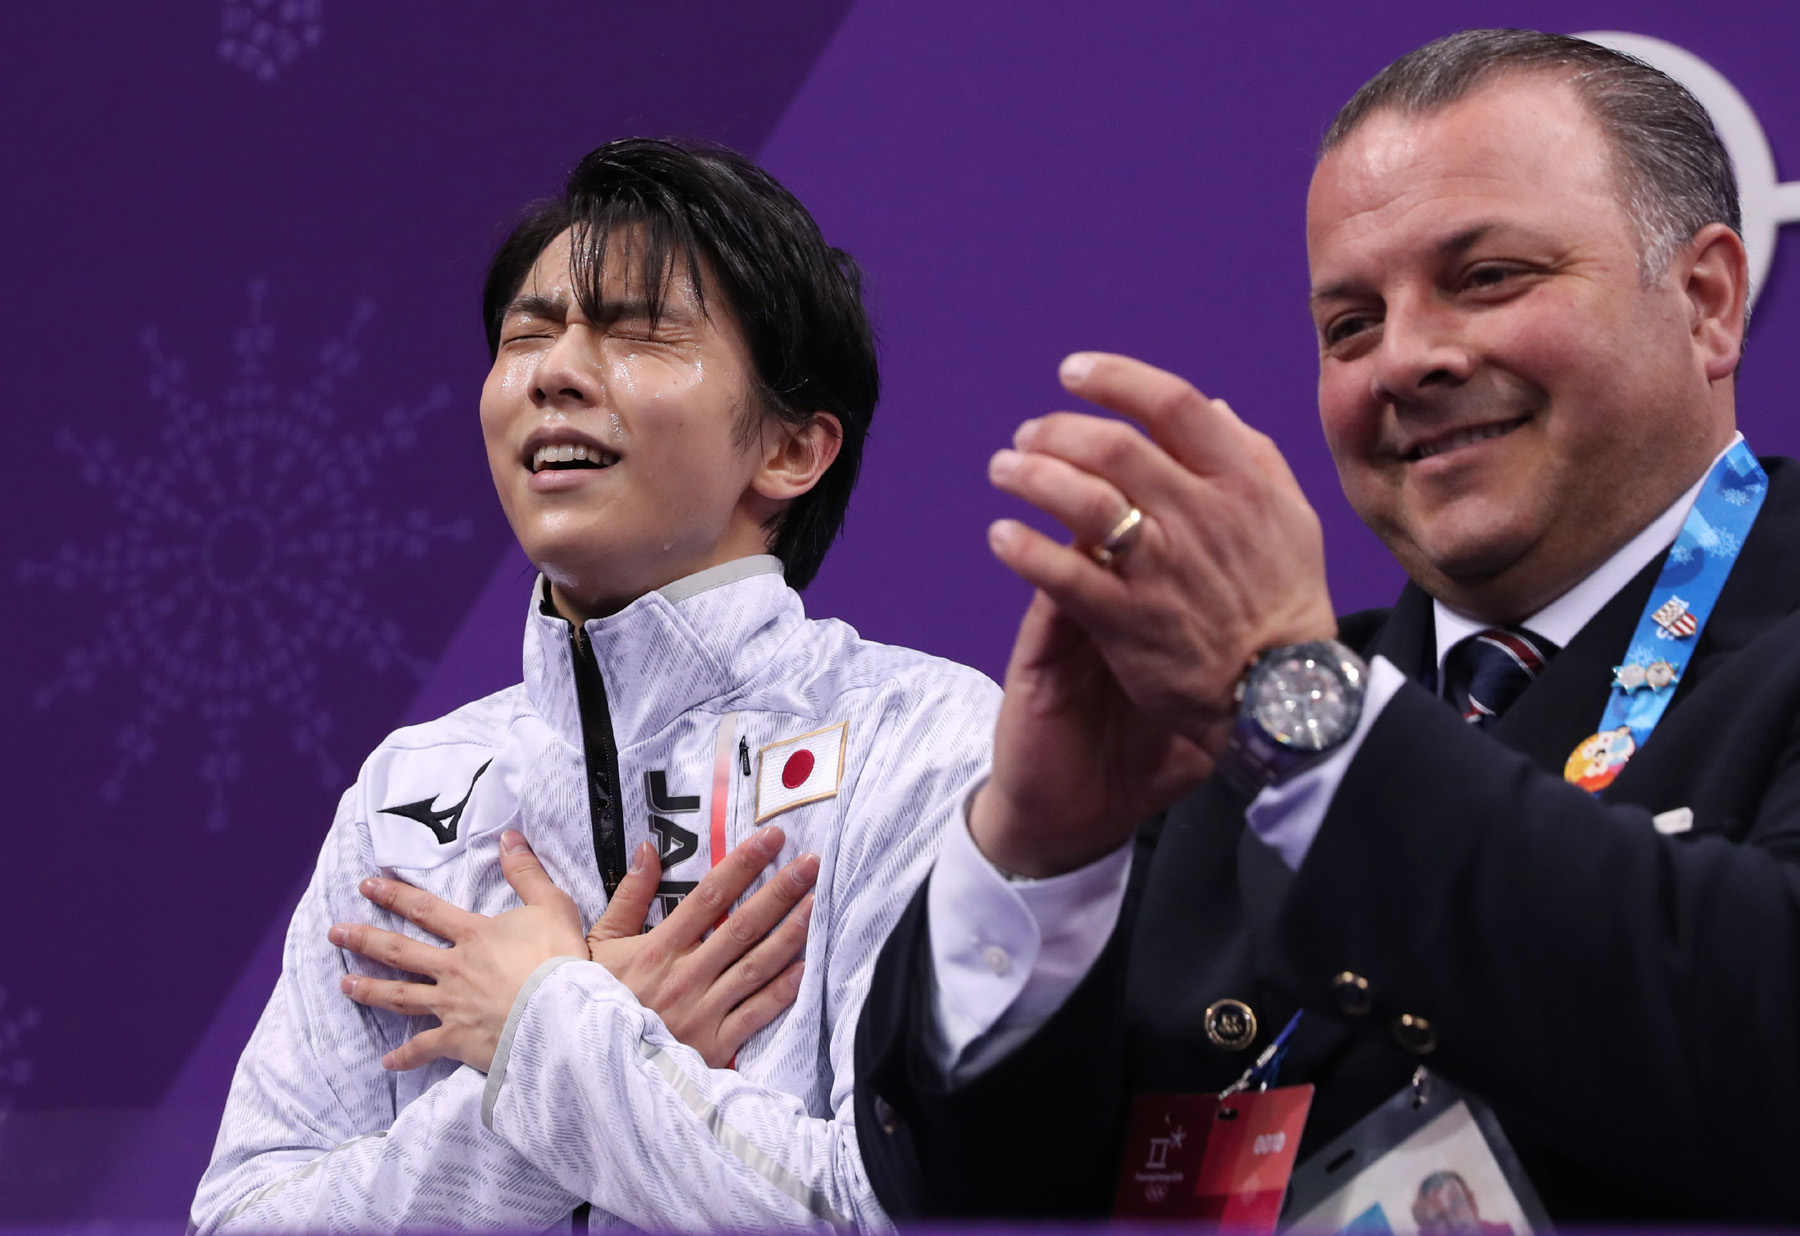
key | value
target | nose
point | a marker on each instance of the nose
(568, 373)
(1422, 350)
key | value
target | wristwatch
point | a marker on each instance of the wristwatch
(1297, 703)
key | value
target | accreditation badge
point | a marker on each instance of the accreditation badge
(1212, 1159)
(1430, 1159)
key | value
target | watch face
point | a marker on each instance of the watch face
(1302, 701)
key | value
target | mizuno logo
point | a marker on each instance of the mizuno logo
(441, 823)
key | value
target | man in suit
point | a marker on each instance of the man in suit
(1529, 291)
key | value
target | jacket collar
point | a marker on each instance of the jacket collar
(696, 640)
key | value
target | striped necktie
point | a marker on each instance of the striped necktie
(1489, 670)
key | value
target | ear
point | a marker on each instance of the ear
(796, 456)
(1714, 272)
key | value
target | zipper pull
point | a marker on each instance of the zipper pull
(744, 756)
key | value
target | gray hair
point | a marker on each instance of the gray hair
(1673, 172)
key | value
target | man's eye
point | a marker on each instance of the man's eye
(1487, 276)
(1341, 329)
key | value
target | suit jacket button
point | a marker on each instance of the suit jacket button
(884, 1114)
(1415, 1034)
(1352, 993)
(1230, 1024)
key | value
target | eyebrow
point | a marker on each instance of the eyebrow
(531, 304)
(1453, 245)
(628, 309)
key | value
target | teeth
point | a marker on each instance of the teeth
(1463, 438)
(569, 452)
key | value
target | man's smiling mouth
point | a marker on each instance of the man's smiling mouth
(565, 455)
(1462, 437)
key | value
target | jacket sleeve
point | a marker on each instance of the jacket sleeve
(1034, 1136)
(313, 1137)
(1632, 999)
(597, 1091)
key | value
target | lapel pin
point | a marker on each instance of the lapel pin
(1675, 618)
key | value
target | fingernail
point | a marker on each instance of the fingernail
(805, 870)
(768, 840)
(804, 910)
(512, 841)
(372, 887)
(338, 934)
(640, 857)
(1075, 368)
(1003, 466)
(1000, 535)
(799, 973)
(1026, 433)
(347, 984)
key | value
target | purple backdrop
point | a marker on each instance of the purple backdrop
(247, 523)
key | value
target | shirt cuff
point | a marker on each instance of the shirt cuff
(1006, 954)
(1287, 816)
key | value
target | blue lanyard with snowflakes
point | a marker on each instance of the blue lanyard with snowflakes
(1692, 578)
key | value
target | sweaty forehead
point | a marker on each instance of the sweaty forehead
(562, 269)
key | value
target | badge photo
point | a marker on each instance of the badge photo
(1430, 1159)
(795, 771)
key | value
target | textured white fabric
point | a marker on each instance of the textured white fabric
(597, 1102)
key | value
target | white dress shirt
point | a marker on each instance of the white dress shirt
(1007, 953)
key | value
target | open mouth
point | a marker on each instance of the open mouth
(1463, 437)
(563, 456)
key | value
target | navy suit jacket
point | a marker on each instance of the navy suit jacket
(1628, 1003)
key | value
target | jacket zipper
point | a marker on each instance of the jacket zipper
(602, 757)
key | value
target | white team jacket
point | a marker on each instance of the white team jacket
(860, 751)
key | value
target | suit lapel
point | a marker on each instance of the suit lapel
(1408, 639)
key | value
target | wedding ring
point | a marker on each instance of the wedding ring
(1119, 541)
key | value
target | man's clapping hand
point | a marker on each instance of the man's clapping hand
(1120, 693)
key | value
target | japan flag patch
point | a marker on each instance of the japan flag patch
(799, 770)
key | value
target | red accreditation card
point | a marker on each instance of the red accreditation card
(1195, 1157)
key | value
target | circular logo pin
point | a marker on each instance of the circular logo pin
(1599, 757)
(1230, 1024)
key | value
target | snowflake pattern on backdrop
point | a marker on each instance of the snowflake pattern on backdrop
(234, 569)
(15, 1069)
(264, 36)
